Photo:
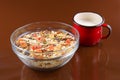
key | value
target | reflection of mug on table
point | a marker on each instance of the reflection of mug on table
(90, 26)
(90, 63)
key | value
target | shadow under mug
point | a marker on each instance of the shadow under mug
(90, 26)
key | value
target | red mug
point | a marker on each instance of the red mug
(90, 26)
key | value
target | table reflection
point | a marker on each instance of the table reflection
(90, 63)
(63, 73)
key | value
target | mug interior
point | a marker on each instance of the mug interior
(88, 19)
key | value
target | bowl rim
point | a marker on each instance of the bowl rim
(24, 26)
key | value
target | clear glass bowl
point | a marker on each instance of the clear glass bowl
(45, 64)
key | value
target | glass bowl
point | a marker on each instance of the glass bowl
(50, 63)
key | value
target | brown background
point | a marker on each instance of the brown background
(100, 62)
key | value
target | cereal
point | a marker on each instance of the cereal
(45, 41)
(46, 44)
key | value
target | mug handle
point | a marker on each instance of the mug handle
(109, 28)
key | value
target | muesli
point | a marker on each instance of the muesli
(46, 44)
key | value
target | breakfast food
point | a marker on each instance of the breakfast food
(46, 44)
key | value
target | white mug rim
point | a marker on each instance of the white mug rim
(97, 25)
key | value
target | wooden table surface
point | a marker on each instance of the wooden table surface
(100, 62)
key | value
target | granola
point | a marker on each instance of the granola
(45, 44)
